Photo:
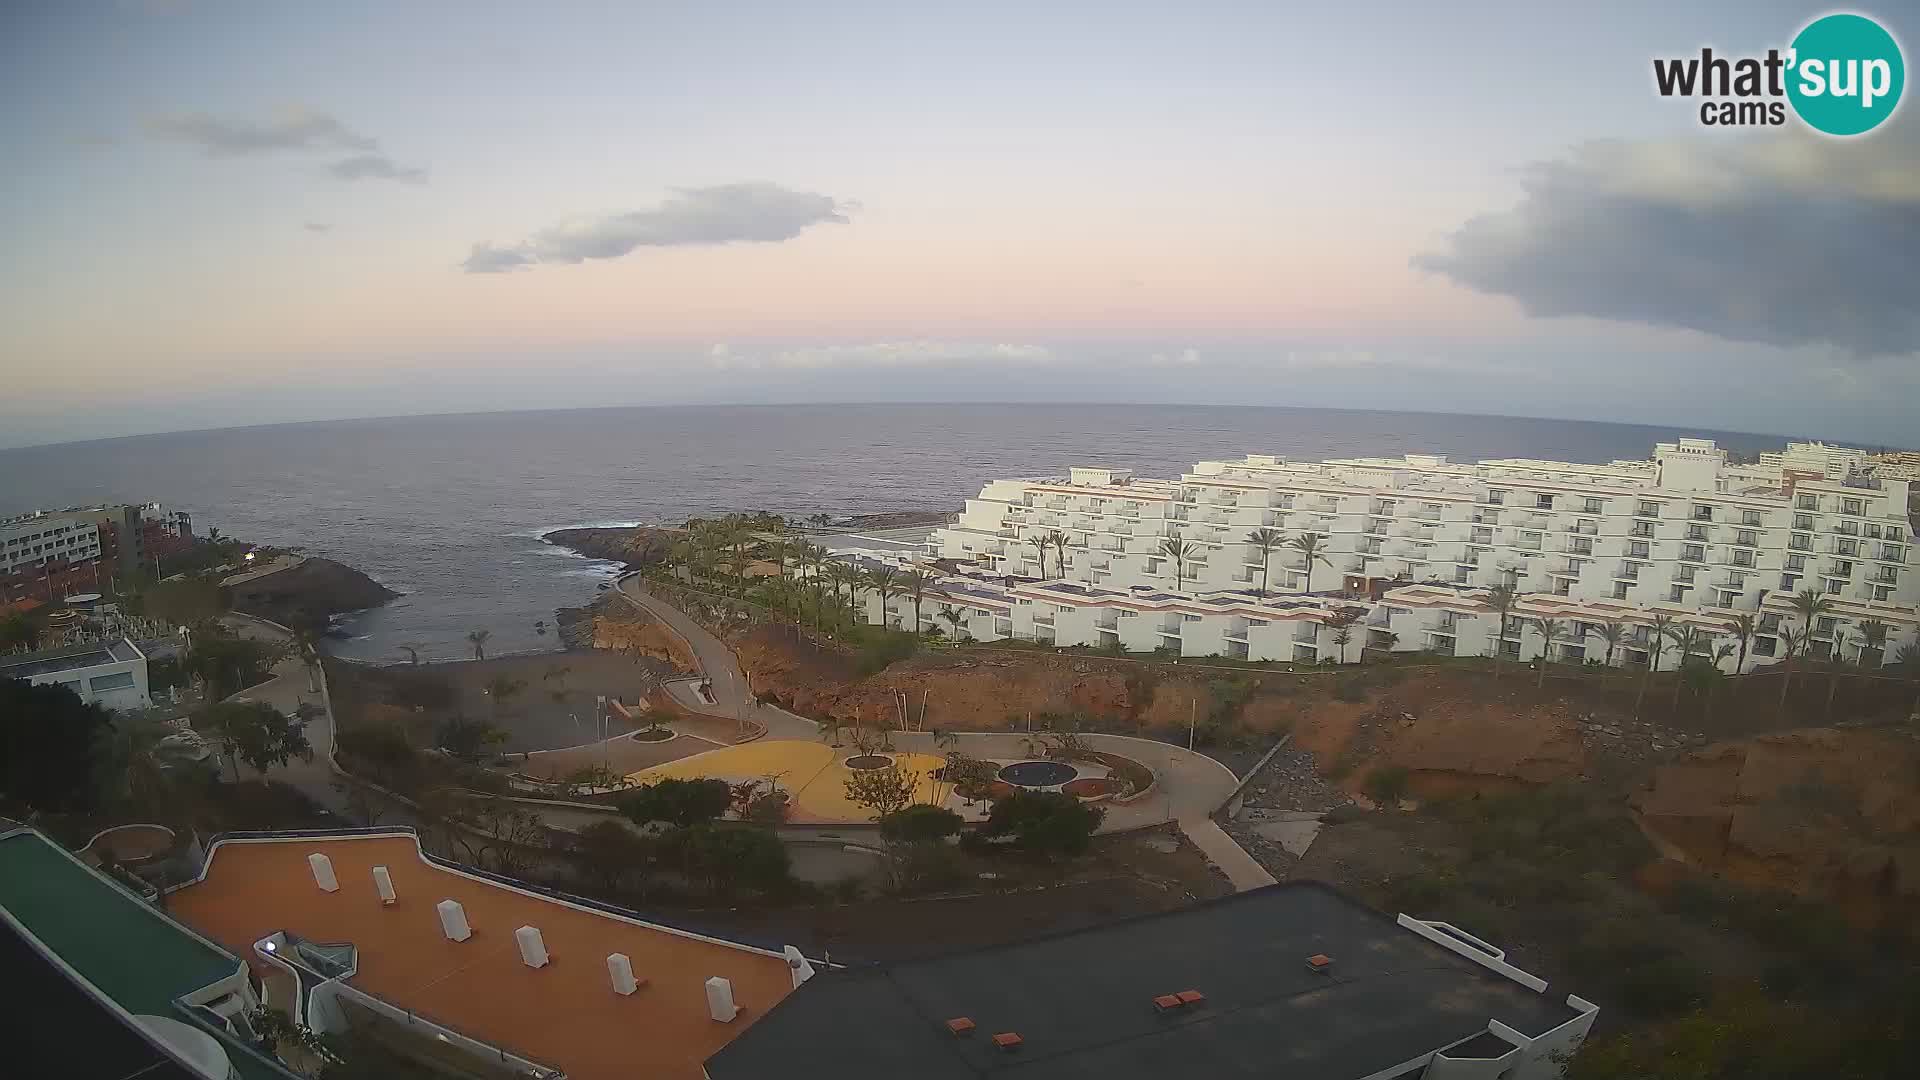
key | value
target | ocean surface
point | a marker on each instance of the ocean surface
(449, 509)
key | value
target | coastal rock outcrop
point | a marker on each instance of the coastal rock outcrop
(634, 546)
(308, 594)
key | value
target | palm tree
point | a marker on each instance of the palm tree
(1810, 605)
(954, 617)
(478, 639)
(842, 574)
(1873, 639)
(1501, 599)
(1040, 544)
(1656, 645)
(306, 645)
(1613, 632)
(1179, 551)
(1719, 657)
(1550, 630)
(1790, 641)
(915, 581)
(1689, 640)
(812, 557)
(1308, 544)
(881, 580)
(1266, 540)
(1059, 540)
(1743, 626)
(1836, 664)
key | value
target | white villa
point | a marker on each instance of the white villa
(1412, 545)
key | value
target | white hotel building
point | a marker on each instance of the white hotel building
(1415, 543)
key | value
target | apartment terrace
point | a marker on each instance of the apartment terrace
(563, 1014)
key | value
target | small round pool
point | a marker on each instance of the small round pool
(1038, 774)
(865, 762)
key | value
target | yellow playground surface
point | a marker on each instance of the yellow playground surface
(813, 775)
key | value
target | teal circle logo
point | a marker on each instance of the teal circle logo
(1845, 74)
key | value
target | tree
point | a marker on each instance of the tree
(842, 574)
(1688, 640)
(1660, 627)
(881, 579)
(1873, 643)
(1791, 641)
(1501, 599)
(50, 745)
(915, 838)
(1907, 662)
(306, 645)
(677, 802)
(468, 740)
(1044, 822)
(915, 582)
(731, 856)
(1040, 543)
(1059, 540)
(256, 733)
(1308, 545)
(1179, 551)
(883, 791)
(187, 601)
(954, 617)
(1810, 605)
(1342, 622)
(1550, 630)
(1713, 675)
(501, 689)
(1265, 540)
(1835, 665)
(1613, 632)
(970, 777)
(16, 632)
(1742, 627)
(226, 663)
(610, 853)
(478, 639)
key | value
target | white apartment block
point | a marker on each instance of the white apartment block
(29, 542)
(1412, 545)
(111, 674)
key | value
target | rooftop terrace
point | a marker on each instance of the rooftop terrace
(564, 1014)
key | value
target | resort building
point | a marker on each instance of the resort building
(1287, 980)
(1408, 549)
(102, 983)
(111, 674)
(363, 928)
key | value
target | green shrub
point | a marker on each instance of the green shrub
(677, 802)
(1044, 822)
(1386, 784)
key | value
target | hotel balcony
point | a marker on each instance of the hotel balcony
(1042, 620)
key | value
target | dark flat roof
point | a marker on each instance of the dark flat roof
(69, 1032)
(1082, 1002)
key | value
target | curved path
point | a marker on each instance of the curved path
(1191, 785)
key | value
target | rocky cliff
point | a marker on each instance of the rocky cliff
(309, 594)
(635, 547)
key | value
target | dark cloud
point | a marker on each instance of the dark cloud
(727, 214)
(297, 128)
(375, 167)
(1782, 240)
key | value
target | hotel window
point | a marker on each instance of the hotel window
(1726, 599)
(1842, 568)
(1769, 623)
(1873, 532)
(1893, 534)
(1851, 506)
(1800, 542)
(1750, 517)
(117, 681)
(1460, 574)
(1703, 513)
(1809, 502)
(1643, 528)
(1693, 553)
(1846, 547)
(1594, 506)
(1743, 558)
(1129, 614)
(1745, 538)
(1696, 532)
(1543, 502)
(1683, 573)
(1649, 509)
(1803, 521)
(1496, 497)
(1637, 549)
(1825, 625)
(1619, 590)
(1883, 592)
(1677, 594)
(1788, 581)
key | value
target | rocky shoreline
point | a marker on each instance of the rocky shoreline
(310, 594)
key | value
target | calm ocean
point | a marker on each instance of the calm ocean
(449, 509)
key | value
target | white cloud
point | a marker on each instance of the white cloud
(883, 354)
(748, 213)
(296, 127)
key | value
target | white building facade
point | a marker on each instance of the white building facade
(29, 542)
(1410, 547)
(111, 674)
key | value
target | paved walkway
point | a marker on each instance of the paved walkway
(291, 687)
(1241, 868)
(731, 696)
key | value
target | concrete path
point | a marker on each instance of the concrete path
(1241, 868)
(731, 695)
(287, 691)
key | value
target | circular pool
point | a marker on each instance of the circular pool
(1038, 774)
(864, 762)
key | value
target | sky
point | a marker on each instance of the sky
(221, 214)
